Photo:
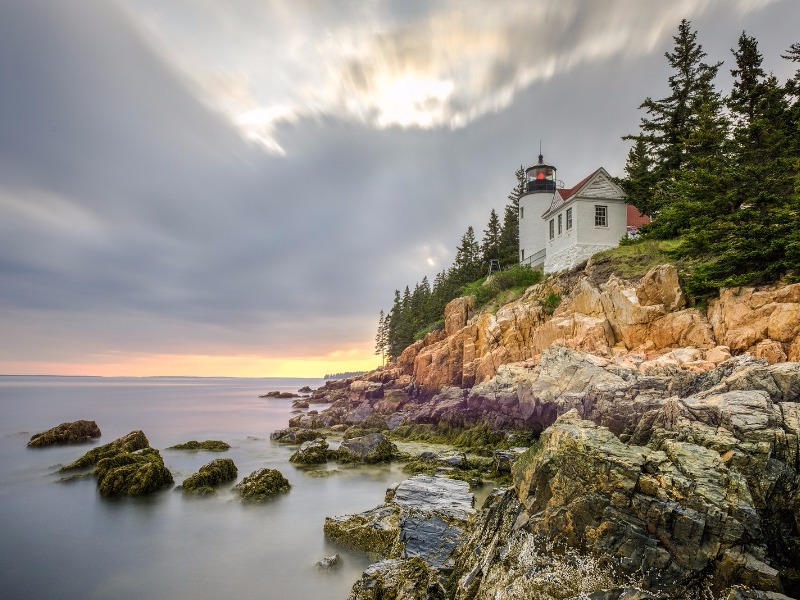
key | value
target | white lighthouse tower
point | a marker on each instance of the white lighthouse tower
(540, 188)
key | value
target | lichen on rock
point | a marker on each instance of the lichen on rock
(370, 448)
(261, 485)
(209, 476)
(75, 432)
(313, 452)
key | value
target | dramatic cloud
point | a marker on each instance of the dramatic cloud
(140, 225)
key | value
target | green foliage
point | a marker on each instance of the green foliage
(487, 289)
(550, 303)
(634, 258)
(719, 175)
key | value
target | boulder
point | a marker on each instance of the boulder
(305, 390)
(371, 448)
(211, 475)
(132, 473)
(212, 445)
(329, 563)
(410, 579)
(135, 440)
(261, 485)
(504, 459)
(423, 516)
(294, 435)
(75, 432)
(313, 452)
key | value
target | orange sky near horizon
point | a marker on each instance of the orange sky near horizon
(188, 365)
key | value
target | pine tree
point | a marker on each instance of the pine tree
(467, 265)
(394, 333)
(509, 232)
(670, 121)
(382, 337)
(490, 245)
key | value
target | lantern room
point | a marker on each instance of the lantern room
(540, 177)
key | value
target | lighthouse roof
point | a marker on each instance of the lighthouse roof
(597, 184)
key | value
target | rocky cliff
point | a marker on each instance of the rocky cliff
(668, 447)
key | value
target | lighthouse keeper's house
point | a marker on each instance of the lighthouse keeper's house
(561, 227)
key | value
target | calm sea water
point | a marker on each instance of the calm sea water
(62, 540)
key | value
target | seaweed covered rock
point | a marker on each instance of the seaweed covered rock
(294, 435)
(132, 473)
(370, 448)
(212, 445)
(261, 485)
(374, 531)
(75, 432)
(133, 441)
(211, 475)
(410, 579)
(314, 452)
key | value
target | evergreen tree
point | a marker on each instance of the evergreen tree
(509, 232)
(490, 245)
(382, 337)
(394, 333)
(467, 265)
(670, 121)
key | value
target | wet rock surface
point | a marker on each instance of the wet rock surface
(75, 432)
(132, 473)
(211, 445)
(370, 448)
(210, 476)
(294, 435)
(313, 452)
(410, 579)
(261, 485)
(131, 442)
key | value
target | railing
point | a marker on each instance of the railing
(534, 260)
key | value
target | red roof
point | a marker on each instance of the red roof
(566, 193)
(635, 218)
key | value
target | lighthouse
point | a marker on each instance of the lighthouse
(540, 189)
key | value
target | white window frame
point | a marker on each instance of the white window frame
(569, 218)
(521, 212)
(552, 228)
(600, 215)
(560, 225)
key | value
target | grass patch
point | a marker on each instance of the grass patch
(634, 258)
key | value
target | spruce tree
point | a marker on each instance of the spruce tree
(490, 245)
(509, 232)
(670, 121)
(467, 266)
(381, 337)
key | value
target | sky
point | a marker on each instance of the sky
(237, 187)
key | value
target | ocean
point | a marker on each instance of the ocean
(62, 540)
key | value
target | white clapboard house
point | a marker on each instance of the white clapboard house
(561, 227)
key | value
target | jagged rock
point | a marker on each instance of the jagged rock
(329, 563)
(669, 513)
(135, 440)
(409, 579)
(262, 485)
(305, 390)
(132, 473)
(212, 445)
(626, 593)
(504, 459)
(371, 448)
(423, 516)
(313, 452)
(661, 285)
(294, 435)
(209, 476)
(374, 531)
(300, 404)
(75, 432)
(276, 394)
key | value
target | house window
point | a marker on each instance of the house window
(521, 212)
(522, 255)
(559, 225)
(552, 229)
(601, 216)
(569, 219)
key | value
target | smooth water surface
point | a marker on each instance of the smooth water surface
(62, 540)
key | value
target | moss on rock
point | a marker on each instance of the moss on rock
(374, 531)
(213, 445)
(217, 472)
(314, 452)
(132, 473)
(262, 484)
(135, 440)
(371, 448)
(75, 432)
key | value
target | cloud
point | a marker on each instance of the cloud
(442, 64)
